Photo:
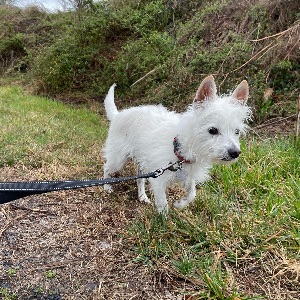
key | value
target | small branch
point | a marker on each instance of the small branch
(35, 210)
(57, 265)
(290, 50)
(11, 222)
(276, 35)
(252, 58)
(273, 122)
(152, 71)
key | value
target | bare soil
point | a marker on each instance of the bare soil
(71, 245)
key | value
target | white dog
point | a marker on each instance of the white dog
(208, 132)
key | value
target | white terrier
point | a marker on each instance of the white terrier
(208, 132)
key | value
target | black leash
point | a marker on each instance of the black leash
(10, 191)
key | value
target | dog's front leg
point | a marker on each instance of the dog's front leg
(190, 196)
(141, 188)
(159, 191)
(107, 187)
(141, 191)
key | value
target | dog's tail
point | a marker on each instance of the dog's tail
(109, 103)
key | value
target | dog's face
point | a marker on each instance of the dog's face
(219, 122)
(223, 140)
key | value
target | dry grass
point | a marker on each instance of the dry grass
(274, 275)
(78, 236)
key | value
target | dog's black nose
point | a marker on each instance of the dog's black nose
(234, 153)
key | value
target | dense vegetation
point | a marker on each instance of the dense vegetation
(170, 45)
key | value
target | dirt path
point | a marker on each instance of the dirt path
(71, 245)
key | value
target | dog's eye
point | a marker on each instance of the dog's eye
(213, 130)
(237, 131)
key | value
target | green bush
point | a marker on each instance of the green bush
(179, 43)
(11, 50)
(77, 60)
(63, 68)
(100, 48)
(220, 39)
(141, 56)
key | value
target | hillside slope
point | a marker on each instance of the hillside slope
(158, 51)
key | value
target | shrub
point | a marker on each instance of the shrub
(178, 42)
(141, 56)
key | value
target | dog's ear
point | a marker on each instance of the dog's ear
(207, 90)
(241, 93)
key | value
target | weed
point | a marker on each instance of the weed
(50, 274)
(6, 295)
(12, 271)
(185, 264)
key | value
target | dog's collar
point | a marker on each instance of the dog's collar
(177, 151)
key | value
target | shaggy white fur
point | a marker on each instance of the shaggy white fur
(208, 132)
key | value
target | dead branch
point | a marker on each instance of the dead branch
(273, 122)
(263, 50)
(152, 71)
(277, 34)
(35, 210)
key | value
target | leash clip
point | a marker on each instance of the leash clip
(175, 166)
(170, 166)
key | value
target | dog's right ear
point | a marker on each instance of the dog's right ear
(207, 90)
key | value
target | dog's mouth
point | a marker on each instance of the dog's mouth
(228, 159)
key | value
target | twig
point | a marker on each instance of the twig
(295, 45)
(36, 210)
(26, 211)
(273, 122)
(57, 265)
(252, 58)
(275, 35)
(274, 236)
(263, 51)
(11, 222)
(152, 71)
(219, 254)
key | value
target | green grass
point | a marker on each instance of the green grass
(247, 211)
(5, 295)
(37, 131)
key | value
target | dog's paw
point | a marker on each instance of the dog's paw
(108, 188)
(163, 210)
(144, 198)
(181, 204)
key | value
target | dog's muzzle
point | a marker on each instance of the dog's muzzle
(232, 154)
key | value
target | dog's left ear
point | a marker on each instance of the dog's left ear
(241, 93)
(206, 91)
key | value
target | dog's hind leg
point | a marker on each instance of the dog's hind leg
(190, 196)
(114, 163)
